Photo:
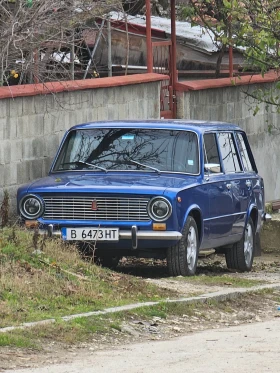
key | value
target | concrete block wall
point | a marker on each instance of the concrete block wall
(230, 103)
(34, 120)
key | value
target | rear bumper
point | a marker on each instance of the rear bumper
(134, 235)
(266, 217)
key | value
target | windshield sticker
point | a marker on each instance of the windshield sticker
(190, 162)
(128, 137)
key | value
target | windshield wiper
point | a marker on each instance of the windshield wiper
(86, 164)
(144, 165)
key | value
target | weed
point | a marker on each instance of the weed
(159, 310)
(5, 209)
(116, 327)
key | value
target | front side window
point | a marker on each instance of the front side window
(244, 153)
(111, 149)
(211, 154)
(228, 152)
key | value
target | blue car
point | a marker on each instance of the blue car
(161, 189)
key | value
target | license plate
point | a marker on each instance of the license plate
(90, 234)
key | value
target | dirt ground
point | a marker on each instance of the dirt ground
(266, 269)
(252, 308)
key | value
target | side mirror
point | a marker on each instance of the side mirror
(212, 168)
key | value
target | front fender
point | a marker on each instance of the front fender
(187, 213)
(196, 212)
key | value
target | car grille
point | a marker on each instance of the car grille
(96, 208)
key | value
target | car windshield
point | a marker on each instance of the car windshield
(111, 149)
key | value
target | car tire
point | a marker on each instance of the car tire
(182, 258)
(240, 257)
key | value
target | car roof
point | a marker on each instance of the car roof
(176, 124)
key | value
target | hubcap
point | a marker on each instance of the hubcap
(248, 244)
(191, 248)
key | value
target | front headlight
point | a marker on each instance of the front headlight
(159, 209)
(31, 207)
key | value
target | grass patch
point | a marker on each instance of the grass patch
(69, 333)
(46, 278)
(16, 339)
(224, 280)
(87, 329)
(164, 310)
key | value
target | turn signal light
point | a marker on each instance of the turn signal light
(31, 224)
(159, 227)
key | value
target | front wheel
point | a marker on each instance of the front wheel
(241, 255)
(182, 258)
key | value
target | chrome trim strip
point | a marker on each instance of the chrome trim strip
(224, 216)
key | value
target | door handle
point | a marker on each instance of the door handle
(248, 183)
(228, 186)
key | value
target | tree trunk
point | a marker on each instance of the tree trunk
(219, 61)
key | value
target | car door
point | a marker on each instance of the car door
(251, 174)
(249, 183)
(220, 218)
(234, 176)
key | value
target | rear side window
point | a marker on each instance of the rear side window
(228, 152)
(244, 153)
(211, 154)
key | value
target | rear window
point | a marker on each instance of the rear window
(228, 152)
(247, 164)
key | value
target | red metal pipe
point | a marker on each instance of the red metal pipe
(174, 77)
(149, 37)
(173, 40)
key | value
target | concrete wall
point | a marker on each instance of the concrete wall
(32, 124)
(33, 119)
(231, 104)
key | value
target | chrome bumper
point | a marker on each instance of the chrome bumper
(134, 235)
(266, 216)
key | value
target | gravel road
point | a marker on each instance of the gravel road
(246, 348)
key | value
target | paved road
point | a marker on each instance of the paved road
(242, 349)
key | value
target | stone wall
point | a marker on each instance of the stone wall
(270, 236)
(220, 100)
(34, 119)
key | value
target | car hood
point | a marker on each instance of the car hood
(112, 183)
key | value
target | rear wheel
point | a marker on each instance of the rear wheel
(241, 255)
(182, 257)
